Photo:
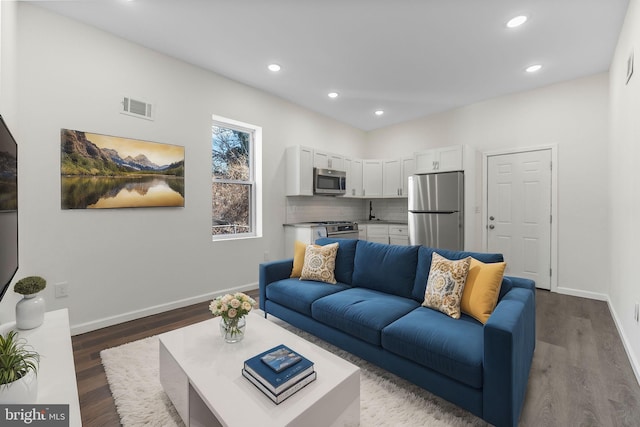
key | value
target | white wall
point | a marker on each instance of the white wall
(8, 29)
(124, 263)
(572, 115)
(624, 206)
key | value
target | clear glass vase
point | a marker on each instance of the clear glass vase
(232, 330)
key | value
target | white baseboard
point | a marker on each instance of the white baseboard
(137, 314)
(625, 342)
(582, 294)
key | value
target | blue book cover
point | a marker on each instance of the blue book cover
(278, 381)
(281, 358)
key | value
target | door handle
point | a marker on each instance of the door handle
(491, 218)
(491, 227)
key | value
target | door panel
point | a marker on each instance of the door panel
(519, 213)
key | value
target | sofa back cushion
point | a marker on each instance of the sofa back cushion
(344, 257)
(386, 268)
(424, 265)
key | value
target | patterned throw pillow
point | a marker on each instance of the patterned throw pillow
(445, 284)
(320, 263)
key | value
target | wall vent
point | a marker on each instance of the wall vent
(137, 108)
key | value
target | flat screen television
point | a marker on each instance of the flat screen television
(8, 207)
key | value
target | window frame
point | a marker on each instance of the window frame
(255, 176)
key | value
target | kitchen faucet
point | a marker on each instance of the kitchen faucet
(371, 215)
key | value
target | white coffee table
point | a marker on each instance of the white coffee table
(202, 376)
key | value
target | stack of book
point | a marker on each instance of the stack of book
(279, 372)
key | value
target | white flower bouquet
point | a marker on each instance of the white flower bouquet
(232, 308)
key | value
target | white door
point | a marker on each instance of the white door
(519, 213)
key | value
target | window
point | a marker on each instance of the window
(235, 189)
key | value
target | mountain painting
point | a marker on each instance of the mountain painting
(106, 172)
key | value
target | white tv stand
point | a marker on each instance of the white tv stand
(57, 373)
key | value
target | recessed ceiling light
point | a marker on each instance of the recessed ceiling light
(378, 112)
(274, 67)
(517, 21)
(533, 68)
(332, 94)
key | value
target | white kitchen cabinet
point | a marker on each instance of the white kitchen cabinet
(324, 160)
(354, 177)
(445, 159)
(399, 235)
(362, 232)
(303, 234)
(391, 178)
(378, 233)
(299, 171)
(395, 175)
(408, 169)
(372, 178)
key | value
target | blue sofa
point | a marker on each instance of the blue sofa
(375, 312)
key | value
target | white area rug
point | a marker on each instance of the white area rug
(385, 400)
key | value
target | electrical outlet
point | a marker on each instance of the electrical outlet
(266, 255)
(62, 289)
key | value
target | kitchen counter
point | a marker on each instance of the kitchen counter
(359, 221)
(302, 224)
(380, 221)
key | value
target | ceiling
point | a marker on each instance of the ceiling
(410, 58)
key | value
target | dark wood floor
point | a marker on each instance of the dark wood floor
(580, 376)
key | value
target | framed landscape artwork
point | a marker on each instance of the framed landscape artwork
(106, 172)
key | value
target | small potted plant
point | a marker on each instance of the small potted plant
(30, 285)
(30, 309)
(18, 370)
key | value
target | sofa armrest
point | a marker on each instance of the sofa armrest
(272, 272)
(520, 282)
(509, 343)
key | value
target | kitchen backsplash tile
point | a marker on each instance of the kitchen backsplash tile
(319, 208)
(388, 209)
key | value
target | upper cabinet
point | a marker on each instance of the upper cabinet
(354, 177)
(395, 175)
(444, 159)
(391, 178)
(408, 169)
(299, 171)
(324, 160)
(372, 178)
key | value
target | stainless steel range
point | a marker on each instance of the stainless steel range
(340, 229)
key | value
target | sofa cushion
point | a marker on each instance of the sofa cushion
(446, 282)
(424, 265)
(451, 347)
(386, 268)
(361, 312)
(298, 294)
(344, 257)
(481, 290)
(320, 263)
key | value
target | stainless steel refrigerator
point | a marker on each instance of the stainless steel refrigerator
(436, 210)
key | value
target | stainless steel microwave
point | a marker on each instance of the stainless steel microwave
(329, 182)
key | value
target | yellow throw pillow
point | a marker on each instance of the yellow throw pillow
(320, 263)
(298, 258)
(482, 289)
(445, 284)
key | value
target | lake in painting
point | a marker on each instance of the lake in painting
(106, 172)
(121, 192)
